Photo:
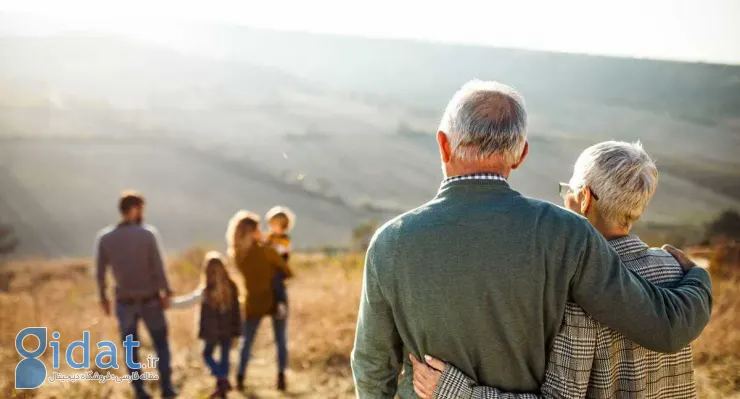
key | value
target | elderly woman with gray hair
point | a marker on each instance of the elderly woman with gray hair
(611, 186)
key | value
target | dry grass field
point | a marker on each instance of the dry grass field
(61, 295)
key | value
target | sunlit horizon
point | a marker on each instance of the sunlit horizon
(692, 31)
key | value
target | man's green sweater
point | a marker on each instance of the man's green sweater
(480, 276)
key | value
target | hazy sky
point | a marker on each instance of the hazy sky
(696, 30)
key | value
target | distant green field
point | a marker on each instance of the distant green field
(57, 193)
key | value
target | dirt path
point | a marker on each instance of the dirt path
(196, 383)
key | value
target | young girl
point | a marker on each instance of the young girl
(220, 318)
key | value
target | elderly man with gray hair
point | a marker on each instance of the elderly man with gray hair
(481, 276)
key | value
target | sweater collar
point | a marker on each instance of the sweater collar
(475, 176)
(475, 179)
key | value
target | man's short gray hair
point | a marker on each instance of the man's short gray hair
(621, 175)
(486, 118)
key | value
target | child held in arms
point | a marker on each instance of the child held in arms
(280, 221)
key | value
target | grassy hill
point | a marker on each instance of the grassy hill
(340, 129)
(424, 74)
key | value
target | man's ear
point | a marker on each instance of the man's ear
(525, 152)
(586, 199)
(445, 150)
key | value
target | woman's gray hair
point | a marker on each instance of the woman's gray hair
(484, 119)
(621, 175)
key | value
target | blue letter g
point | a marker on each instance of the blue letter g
(30, 373)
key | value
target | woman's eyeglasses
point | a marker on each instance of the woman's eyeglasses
(564, 189)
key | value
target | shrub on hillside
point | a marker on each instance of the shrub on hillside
(726, 226)
(8, 240)
(362, 235)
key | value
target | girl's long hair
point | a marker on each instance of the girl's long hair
(218, 288)
(238, 228)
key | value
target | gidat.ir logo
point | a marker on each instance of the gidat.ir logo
(30, 373)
